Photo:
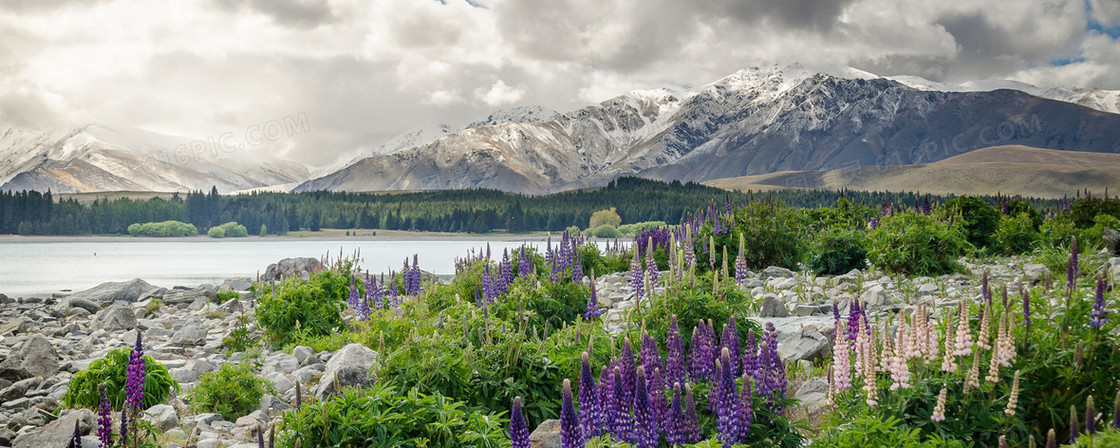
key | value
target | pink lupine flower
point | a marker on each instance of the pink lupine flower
(1013, 400)
(939, 409)
(964, 333)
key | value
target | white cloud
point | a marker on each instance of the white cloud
(500, 94)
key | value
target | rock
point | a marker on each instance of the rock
(13, 392)
(84, 304)
(183, 375)
(13, 373)
(349, 366)
(269, 403)
(18, 325)
(115, 318)
(207, 418)
(927, 289)
(876, 295)
(547, 435)
(232, 306)
(282, 363)
(282, 383)
(1111, 239)
(58, 433)
(775, 271)
(236, 284)
(189, 335)
(110, 292)
(1035, 272)
(302, 353)
(202, 366)
(808, 344)
(813, 393)
(37, 356)
(162, 416)
(205, 293)
(301, 267)
(782, 282)
(773, 307)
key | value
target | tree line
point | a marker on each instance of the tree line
(476, 210)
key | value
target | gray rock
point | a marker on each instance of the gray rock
(37, 356)
(205, 293)
(207, 418)
(876, 295)
(115, 318)
(349, 366)
(547, 435)
(162, 416)
(301, 267)
(775, 271)
(282, 383)
(813, 393)
(302, 353)
(17, 325)
(279, 363)
(183, 375)
(202, 366)
(236, 284)
(58, 433)
(189, 335)
(232, 306)
(773, 307)
(1111, 239)
(129, 291)
(808, 344)
(1035, 272)
(13, 392)
(927, 289)
(84, 304)
(269, 403)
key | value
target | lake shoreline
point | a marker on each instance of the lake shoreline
(382, 235)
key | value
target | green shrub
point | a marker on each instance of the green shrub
(839, 251)
(606, 231)
(240, 338)
(912, 244)
(112, 370)
(230, 229)
(264, 230)
(225, 296)
(605, 218)
(233, 391)
(313, 307)
(868, 431)
(381, 416)
(634, 229)
(163, 229)
(773, 236)
(1016, 235)
(978, 220)
(216, 232)
(1083, 211)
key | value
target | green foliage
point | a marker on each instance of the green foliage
(978, 220)
(601, 264)
(1016, 235)
(773, 234)
(163, 229)
(264, 229)
(691, 304)
(605, 218)
(1085, 210)
(1106, 438)
(233, 391)
(868, 431)
(630, 230)
(241, 338)
(112, 370)
(230, 229)
(313, 307)
(839, 251)
(912, 244)
(216, 232)
(605, 231)
(381, 416)
(224, 296)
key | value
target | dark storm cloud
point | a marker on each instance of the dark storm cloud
(816, 15)
(295, 13)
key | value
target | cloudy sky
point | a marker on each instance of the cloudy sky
(364, 70)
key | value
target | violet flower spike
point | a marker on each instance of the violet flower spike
(645, 428)
(1099, 316)
(588, 402)
(675, 363)
(570, 436)
(104, 419)
(518, 429)
(76, 441)
(691, 421)
(730, 340)
(674, 421)
(592, 310)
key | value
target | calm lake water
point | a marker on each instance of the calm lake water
(40, 266)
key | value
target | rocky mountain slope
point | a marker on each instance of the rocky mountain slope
(755, 121)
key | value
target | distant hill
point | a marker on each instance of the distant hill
(1011, 169)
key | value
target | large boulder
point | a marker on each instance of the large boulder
(110, 292)
(547, 435)
(347, 367)
(772, 306)
(301, 267)
(813, 393)
(115, 318)
(204, 293)
(1111, 239)
(59, 433)
(37, 356)
(189, 335)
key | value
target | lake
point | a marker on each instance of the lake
(39, 266)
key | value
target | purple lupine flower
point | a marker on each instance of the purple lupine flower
(104, 419)
(134, 383)
(691, 420)
(1026, 307)
(489, 290)
(637, 277)
(645, 421)
(925, 207)
(629, 371)
(750, 356)
(518, 429)
(352, 300)
(730, 341)
(76, 440)
(726, 399)
(1072, 267)
(985, 289)
(416, 275)
(506, 268)
(570, 436)
(1090, 417)
(657, 402)
(675, 362)
(394, 299)
(674, 422)
(701, 356)
(588, 403)
(741, 263)
(776, 370)
(124, 427)
(577, 267)
(1074, 427)
(855, 314)
(619, 422)
(605, 397)
(745, 410)
(592, 310)
(1099, 316)
(712, 342)
(524, 267)
(650, 354)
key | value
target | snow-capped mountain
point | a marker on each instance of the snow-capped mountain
(755, 121)
(100, 158)
(1102, 100)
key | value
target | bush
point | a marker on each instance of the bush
(233, 391)
(1016, 235)
(605, 218)
(979, 221)
(381, 416)
(838, 252)
(913, 244)
(869, 431)
(773, 236)
(313, 307)
(230, 229)
(636, 228)
(605, 231)
(112, 370)
(163, 229)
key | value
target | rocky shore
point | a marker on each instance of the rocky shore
(45, 341)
